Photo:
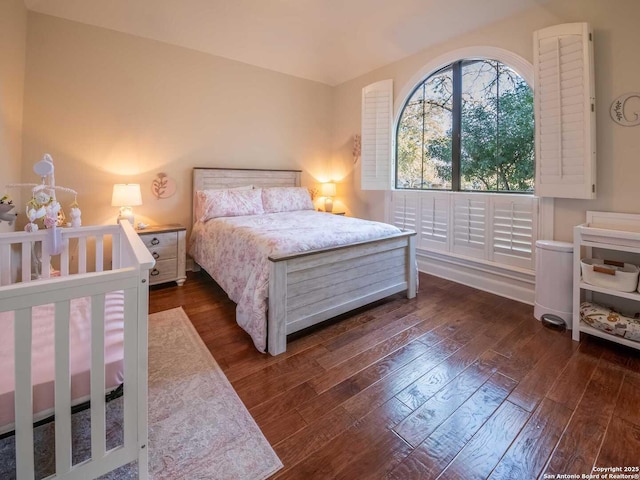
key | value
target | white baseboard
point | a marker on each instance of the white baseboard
(516, 284)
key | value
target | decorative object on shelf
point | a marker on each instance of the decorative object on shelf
(163, 186)
(608, 320)
(612, 274)
(6, 205)
(357, 147)
(126, 196)
(328, 191)
(618, 113)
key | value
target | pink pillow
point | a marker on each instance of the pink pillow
(286, 199)
(200, 206)
(228, 203)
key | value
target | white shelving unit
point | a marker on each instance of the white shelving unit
(611, 232)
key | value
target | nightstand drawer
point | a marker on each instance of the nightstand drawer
(164, 271)
(168, 245)
(162, 245)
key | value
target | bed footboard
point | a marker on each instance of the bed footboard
(310, 287)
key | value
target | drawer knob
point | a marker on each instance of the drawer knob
(155, 241)
(156, 255)
(154, 272)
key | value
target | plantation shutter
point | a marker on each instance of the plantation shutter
(404, 210)
(514, 231)
(469, 225)
(377, 106)
(434, 222)
(565, 111)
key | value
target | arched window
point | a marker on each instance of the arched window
(467, 127)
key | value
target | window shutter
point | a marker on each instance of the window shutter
(565, 111)
(514, 230)
(404, 210)
(434, 222)
(469, 225)
(377, 106)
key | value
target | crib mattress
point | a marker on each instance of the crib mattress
(43, 355)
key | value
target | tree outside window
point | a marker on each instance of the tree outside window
(468, 127)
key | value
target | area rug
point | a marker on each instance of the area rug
(198, 426)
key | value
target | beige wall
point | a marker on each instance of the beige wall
(617, 39)
(13, 32)
(114, 108)
(111, 108)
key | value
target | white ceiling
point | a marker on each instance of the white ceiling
(329, 41)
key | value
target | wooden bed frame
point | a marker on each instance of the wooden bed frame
(310, 287)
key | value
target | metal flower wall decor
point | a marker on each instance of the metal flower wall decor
(357, 147)
(163, 186)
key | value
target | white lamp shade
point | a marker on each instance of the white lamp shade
(328, 189)
(126, 195)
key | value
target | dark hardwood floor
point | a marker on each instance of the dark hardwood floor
(455, 383)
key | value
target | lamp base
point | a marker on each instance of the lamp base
(121, 217)
(126, 213)
(328, 204)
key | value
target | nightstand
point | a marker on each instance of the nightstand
(168, 245)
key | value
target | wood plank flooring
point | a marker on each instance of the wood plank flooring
(454, 384)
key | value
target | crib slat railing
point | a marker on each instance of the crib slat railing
(130, 371)
(62, 388)
(5, 264)
(115, 251)
(99, 253)
(46, 263)
(64, 257)
(101, 461)
(82, 234)
(82, 254)
(98, 408)
(26, 261)
(23, 394)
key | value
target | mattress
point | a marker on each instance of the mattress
(235, 251)
(43, 355)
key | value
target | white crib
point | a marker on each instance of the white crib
(19, 293)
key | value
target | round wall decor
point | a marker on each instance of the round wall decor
(163, 186)
(623, 111)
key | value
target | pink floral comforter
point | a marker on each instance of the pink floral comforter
(235, 251)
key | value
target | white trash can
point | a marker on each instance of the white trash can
(554, 280)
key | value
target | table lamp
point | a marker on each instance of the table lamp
(328, 192)
(126, 196)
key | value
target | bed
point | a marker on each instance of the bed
(292, 289)
(71, 335)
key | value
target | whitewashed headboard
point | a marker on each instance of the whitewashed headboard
(220, 178)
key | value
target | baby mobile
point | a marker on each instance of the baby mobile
(45, 207)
